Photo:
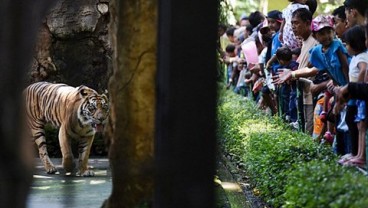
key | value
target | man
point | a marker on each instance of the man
(355, 11)
(340, 22)
(301, 25)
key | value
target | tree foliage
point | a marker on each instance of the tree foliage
(235, 9)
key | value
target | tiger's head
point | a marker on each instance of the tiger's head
(94, 109)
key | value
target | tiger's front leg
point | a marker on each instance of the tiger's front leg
(66, 150)
(84, 149)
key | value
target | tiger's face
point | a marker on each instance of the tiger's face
(94, 110)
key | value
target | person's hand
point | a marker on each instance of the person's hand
(323, 116)
(242, 61)
(229, 84)
(282, 76)
(226, 60)
(255, 69)
(331, 87)
(342, 94)
(248, 81)
(268, 66)
(341, 97)
(280, 38)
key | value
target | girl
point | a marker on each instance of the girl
(355, 43)
(330, 56)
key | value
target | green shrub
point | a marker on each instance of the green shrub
(325, 184)
(271, 152)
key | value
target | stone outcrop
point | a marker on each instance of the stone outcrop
(73, 45)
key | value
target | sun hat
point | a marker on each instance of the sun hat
(321, 21)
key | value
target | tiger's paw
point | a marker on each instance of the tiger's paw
(51, 170)
(86, 173)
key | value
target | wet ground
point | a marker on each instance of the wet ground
(68, 191)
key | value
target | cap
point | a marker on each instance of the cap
(321, 21)
(275, 14)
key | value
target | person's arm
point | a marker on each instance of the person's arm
(256, 68)
(353, 90)
(344, 64)
(341, 97)
(317, 88)
(252, 79)
(357, 90)
(362, 71)
(281, 31)
(285, 75)
(270, 61)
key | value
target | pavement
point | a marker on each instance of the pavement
(63, 190)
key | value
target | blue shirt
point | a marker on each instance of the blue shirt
(276, 44)
(293, 65)
(329, 60)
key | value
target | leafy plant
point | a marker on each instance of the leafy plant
(325, 184)
(277, 159)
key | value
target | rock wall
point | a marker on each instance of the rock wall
(73, 45)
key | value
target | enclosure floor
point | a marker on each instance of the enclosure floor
(70, 191)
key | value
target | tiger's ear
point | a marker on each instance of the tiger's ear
(85, 91)
(106, 93)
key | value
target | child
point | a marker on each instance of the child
(331, 56)
(318, 91)
(274, 18)
(287, 91)
(355, 43)
(269, 33)
(241, 87)
(286, 33)
(231, 62)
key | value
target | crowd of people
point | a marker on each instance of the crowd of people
(309, 69)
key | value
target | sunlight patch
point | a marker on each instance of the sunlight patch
(96, 182)
(231, 186)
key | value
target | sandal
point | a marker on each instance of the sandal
(345, 158)
(354, 163)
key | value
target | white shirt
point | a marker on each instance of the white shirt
(353, 66)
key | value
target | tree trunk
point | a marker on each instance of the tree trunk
(186, 104)
(19, 23)
(132, 97)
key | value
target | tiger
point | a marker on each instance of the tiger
(79, 112)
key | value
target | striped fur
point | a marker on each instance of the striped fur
(79, 112)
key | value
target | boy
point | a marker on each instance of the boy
(287, 91)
